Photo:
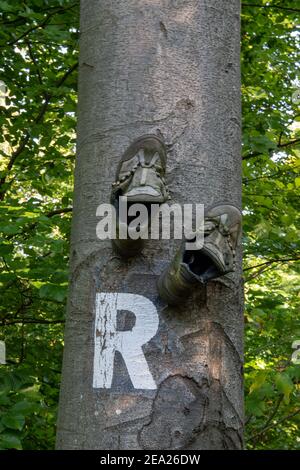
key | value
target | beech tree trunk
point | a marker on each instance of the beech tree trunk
(169, 67)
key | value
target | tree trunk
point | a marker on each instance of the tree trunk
(169, 67)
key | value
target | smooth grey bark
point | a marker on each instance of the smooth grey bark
(146, 66)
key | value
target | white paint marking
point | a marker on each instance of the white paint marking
(108, 339)
(2, 353)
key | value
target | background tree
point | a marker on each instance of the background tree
(38, 64)
(270, 44)
(34, 221)
(173, 68)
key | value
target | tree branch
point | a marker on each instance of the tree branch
(66, 75)
(267, 266)
(287, 144)
(279, 146)
(37, 120)
(247, 180)
(265, 429)
(273, 414)
(295, 10)
(41, 10)
(32, 57)
(32, 321)
(64, 210)
(32, 225)
(271, 261)
(40, 25)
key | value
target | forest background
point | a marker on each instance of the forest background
(38, 96)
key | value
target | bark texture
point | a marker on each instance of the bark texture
(146, 66)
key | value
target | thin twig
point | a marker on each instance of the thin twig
(271, 417)
(287, 144)
(37, 120)
(285, 418)
(64, 210)
(278, 146)
(32, 57)
(275, 260)
(294, 10)
(38, 26)
(32, 225)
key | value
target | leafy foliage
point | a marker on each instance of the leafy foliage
(271, 150)
(39, 42)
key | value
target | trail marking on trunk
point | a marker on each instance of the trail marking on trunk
(129, 344)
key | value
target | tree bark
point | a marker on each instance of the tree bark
(168, 67)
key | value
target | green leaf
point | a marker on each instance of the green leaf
(54, 292)
(285, 385)
(24, 407)
(5, 6)
(10, 441)
(4, 398)
(255, 406)
(13, 421)
(259, 380)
